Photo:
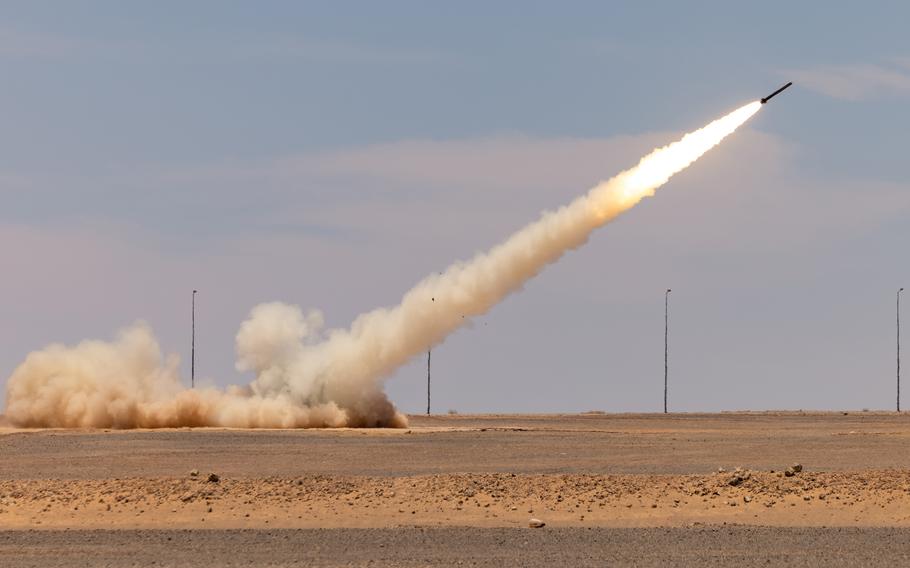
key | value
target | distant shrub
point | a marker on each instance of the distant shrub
(453, 411)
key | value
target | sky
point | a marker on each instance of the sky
(331, 154)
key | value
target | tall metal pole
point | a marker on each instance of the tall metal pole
(428, 381)
(193, 349)
(666, 342)
(429, 353)
(899, 349)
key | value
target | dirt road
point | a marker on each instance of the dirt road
(463, 546)
(595, 444)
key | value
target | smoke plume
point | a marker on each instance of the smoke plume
(307, 376)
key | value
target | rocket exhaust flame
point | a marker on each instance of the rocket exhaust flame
(307, 377)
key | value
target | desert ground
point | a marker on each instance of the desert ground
(789, 488)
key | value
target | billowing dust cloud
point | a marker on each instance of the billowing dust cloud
(307, 376)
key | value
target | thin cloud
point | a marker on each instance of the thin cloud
(855, 82)
(403, 188)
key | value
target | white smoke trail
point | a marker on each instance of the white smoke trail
(309, 378)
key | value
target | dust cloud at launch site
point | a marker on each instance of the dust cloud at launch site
(307, 376)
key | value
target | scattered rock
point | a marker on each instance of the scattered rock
(194, 473)
(213, 478)
(536, 524)
(796, 467)
(739, 475)
(789, 472)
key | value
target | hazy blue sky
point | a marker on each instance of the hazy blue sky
(330, 154)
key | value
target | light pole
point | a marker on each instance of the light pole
(193, 348)
(666, 342)
(899, 349)
(429, 354)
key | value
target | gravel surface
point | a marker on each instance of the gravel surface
(597, 444)
(579, 547)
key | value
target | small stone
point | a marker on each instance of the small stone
(747, 498)
(796, 468)
(789, 472)
(536, 524)
(194, 473)
(213, 478)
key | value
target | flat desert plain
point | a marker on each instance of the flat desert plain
(789, 488)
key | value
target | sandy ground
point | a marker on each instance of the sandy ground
(469, 473)
(872, 498)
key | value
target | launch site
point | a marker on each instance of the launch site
(638, 489)
(411, 284)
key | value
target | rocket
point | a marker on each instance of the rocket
(768, 98)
